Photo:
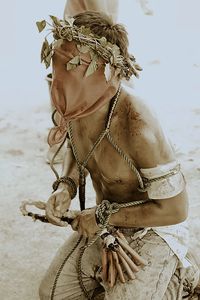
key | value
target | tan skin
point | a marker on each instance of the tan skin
(138, 133)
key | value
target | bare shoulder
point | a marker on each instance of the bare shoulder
(149, 145)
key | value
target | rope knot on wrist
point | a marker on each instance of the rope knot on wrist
(104, 211)
(69, 181)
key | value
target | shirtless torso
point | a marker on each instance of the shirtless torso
(137, 132)
(111, 176)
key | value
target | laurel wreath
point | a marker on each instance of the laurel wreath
(87, 42)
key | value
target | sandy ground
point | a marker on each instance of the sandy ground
(26, 247)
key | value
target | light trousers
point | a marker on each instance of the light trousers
(160, 279)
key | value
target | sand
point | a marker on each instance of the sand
(27, 248)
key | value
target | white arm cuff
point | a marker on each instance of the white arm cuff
(162, 188)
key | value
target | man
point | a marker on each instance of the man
(114, 137)
(73, 7)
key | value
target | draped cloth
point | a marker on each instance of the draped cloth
(75, 95)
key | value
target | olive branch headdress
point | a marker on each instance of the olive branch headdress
(87, 42)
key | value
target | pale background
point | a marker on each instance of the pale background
(167, 46)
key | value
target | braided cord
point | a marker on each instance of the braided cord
(127, 160)
(61, 268)
(69, 181)
(96, 144)
(110, 208)
(172, 172)
(73, 143)
(54, 156)
(80, 278)
(106, 209)
(98, 140)
(82, 165)
(113, 109)
(53, 117)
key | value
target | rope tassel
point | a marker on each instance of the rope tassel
(118, 258)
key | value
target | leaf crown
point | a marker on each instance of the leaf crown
(87, 42)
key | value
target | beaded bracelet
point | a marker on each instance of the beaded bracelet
(69, 181)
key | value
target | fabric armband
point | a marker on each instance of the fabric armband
(163, 181)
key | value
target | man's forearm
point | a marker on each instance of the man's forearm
(69, 168)
(154, 213)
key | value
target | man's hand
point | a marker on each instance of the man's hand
(85, 223)
(57, 205)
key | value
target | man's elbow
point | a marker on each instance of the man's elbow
(176, 215)
(176, 208)
(181, 207)
(180, 215)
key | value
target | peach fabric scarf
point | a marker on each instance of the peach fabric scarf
(73, 94)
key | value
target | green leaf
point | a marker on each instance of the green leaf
(46, 53)
(75, 60)
(58, 43)
(83, 48)
(45, 45)
(111, 60)
(107, 72)
(117, 72)
(73, 63)
(115, 50)
(93, 66)
(84, 30)
(41, 25)
(93, 55)
(55, 20)
(69, 20)
(137, 67)
(47, 60)
(103, 41)
(71, 66)
(48, 48)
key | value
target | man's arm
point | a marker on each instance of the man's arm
(69, 167)
(153, 150)
(59, 201)
(161, 212)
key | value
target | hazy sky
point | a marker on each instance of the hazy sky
(166, 44)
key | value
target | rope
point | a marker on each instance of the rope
(171, 172)
(80, 278)
(82, 165)
(106, 209)
(54, 156)
(98, 140)
(53, 117)
(110, 208)
(62, 266)
(127, 160)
